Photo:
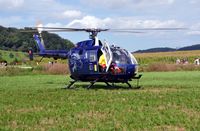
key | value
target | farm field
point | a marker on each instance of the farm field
(166, 57)
(166, 101)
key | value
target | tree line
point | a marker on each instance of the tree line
(18, 40)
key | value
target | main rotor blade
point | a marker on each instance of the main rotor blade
(149, 29)
(58, 29)
(92, 30)
(126, 31)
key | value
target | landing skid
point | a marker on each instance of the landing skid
(112, 85)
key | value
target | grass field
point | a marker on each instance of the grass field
(166, 101)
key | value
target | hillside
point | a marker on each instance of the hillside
(13, 56)
(193, 47)
(167, 49)
(162, 49)
(16, 39)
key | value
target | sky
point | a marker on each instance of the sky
(111, 14)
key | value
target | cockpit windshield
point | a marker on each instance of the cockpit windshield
(120, 56)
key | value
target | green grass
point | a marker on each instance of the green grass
(166, 101)
(19, 56)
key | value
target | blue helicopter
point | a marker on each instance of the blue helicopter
(120, 65)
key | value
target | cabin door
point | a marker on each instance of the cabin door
(107, 53)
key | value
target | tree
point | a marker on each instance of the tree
(15, 39)
(11, 55)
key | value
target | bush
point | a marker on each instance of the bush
(11, 55)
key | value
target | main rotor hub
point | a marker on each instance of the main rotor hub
(94, 32)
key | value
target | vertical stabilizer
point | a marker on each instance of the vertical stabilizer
(39, 42)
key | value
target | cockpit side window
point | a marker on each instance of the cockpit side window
(120, 56)
(91, 55)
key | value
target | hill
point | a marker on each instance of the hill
(15, 39)
(167, 49)
(13, 56)
(161, 49)
(193, 47)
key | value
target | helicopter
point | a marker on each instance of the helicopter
(83, 60)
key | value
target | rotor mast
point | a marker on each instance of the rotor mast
(93, 34)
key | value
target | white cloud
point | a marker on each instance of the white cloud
(57, 24)
(11, 4)
(33, 10)
(115, 4)
(90, 22)
(122, 22)
(71, 14)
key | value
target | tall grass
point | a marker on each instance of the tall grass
(13, 71)
(168, 67)
(56, 68)
(53, 69)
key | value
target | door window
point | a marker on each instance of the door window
(107, 53)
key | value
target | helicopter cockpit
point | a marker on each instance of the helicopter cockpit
(120, 56)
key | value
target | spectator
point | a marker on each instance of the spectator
(197, 61)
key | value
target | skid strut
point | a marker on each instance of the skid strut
(71, 83)
(92, 83)
(129, 85)
(138, 80)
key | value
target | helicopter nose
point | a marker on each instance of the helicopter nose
(130, 69)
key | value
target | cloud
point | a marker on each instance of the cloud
(34, 10)
(122, 22)
(70, 14)
(11, 4)
(115, 4)
(57, 24)
(90, 22)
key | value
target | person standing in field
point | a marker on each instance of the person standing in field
(178, 61)
(197, 61)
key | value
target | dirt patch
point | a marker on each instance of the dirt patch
(27, 110)
(93, 115)
(191, 113)
(159, 90)
(168, 128)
